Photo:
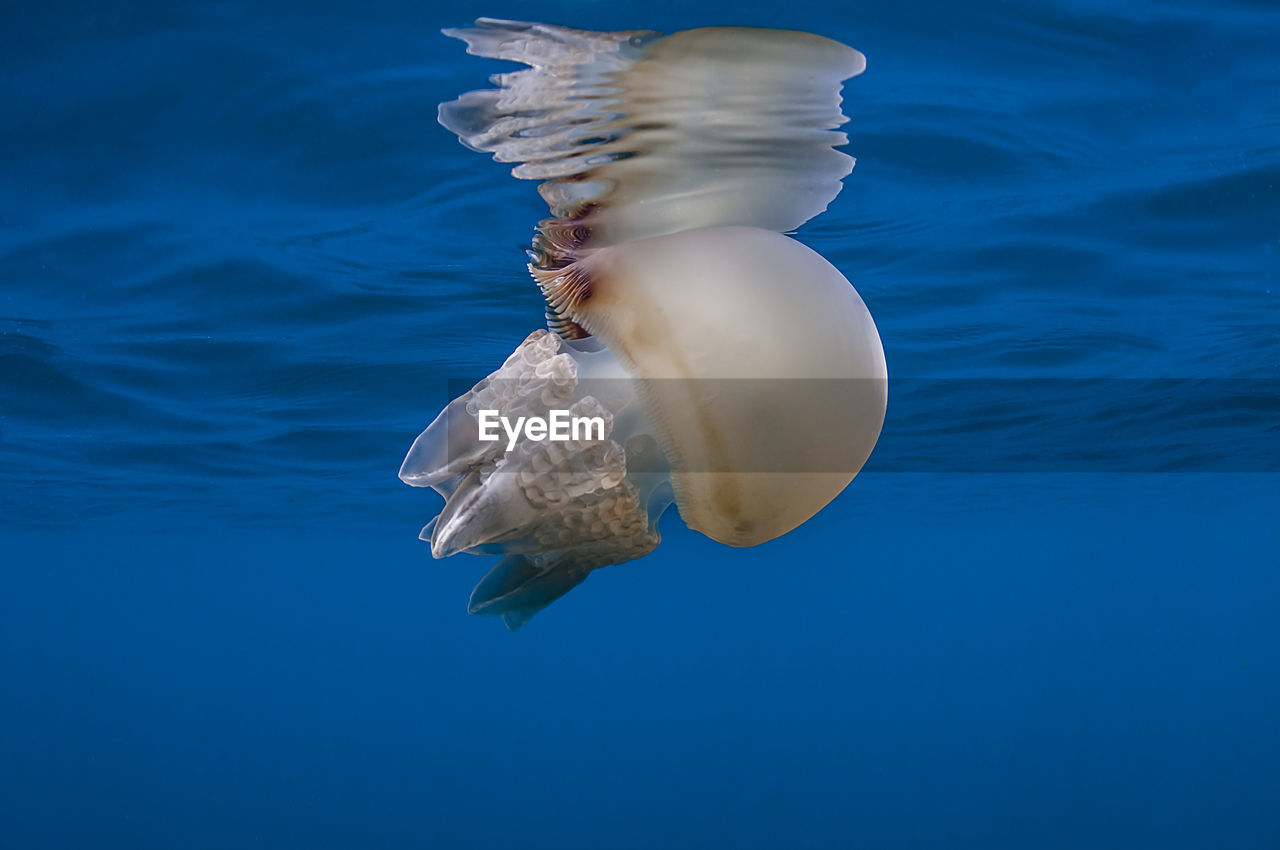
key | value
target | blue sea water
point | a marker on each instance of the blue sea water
(240, 264)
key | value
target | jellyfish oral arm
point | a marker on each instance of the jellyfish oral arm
(577, 484)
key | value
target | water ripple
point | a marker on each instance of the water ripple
(240, 264)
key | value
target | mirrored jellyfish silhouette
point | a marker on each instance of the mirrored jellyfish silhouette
(730, 370)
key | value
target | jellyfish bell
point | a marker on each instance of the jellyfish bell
(760, 367)
(734, 371)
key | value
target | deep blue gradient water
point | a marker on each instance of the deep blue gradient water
(240, 263)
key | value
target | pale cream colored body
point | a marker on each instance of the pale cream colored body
(760, 365)
(740, 374)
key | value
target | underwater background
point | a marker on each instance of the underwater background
(240, 265)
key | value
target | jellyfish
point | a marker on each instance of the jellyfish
(727, 368)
